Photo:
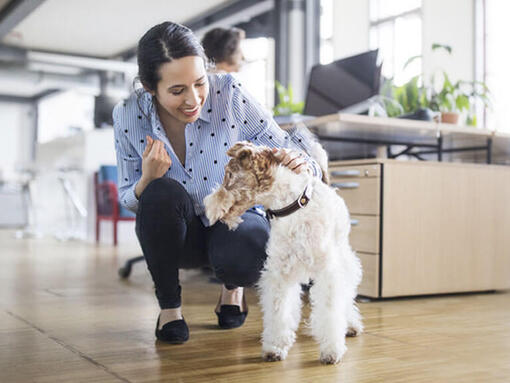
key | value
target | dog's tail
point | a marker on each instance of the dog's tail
(316, 151)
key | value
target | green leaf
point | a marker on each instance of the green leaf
(410, 60)
(447, 48)
(462, 102)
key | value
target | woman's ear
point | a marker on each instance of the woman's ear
(152, 93)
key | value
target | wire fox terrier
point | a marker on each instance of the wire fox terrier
(309, 239)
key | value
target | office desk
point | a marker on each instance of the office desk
(357, 134)
(426, 227)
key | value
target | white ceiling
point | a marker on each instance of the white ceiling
(101, 28)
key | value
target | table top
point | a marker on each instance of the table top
(403, 130)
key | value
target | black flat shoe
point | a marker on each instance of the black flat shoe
(230, 316)
(174, 332)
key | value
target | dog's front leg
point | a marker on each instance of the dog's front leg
(328, 319)
(281, 302)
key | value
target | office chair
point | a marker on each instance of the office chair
(108, 208)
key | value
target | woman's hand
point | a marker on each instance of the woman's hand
(293, 160)
(155, 163)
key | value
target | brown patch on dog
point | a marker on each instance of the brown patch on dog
(247, 174)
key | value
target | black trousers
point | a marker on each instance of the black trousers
(173, 237)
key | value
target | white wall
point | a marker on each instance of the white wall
(350, 27)
(17, 130)
(449, 22)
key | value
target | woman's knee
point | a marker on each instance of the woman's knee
(240, 261)
(163, 191)
(239, 274)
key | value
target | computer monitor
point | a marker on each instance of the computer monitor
(342, 84)
(103, 108)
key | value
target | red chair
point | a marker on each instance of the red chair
(107, 203)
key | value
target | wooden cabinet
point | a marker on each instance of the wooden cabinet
(427, 227)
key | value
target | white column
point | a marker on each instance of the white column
(296, 53)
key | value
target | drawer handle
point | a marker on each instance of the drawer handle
(346, 185)
(345, 173)
(354, 222)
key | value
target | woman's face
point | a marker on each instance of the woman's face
(182, 89)
(234, 63)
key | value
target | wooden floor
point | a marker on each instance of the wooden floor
(66, 317)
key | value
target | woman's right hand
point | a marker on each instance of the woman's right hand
(155, 160)
(155, 163)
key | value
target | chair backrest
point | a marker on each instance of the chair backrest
(107, 173)
(107, 176)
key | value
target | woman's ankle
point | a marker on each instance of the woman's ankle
(169, 315)
(232, 297)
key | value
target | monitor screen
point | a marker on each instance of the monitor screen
(103, 108)
(342, 83)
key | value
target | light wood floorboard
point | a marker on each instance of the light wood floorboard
(65, 316)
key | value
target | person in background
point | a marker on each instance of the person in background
(171, 139)
(223, 47)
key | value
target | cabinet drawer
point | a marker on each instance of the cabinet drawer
(356, 171)
(369, 285)
(361, 195)
(365, 233)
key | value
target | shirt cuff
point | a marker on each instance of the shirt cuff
(129, 200)
(316, 169)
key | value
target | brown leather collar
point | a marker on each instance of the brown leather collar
(301, 202)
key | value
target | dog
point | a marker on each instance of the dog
(309, 243)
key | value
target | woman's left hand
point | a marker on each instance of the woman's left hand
(293, 160)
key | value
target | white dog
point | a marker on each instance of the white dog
(310, 242)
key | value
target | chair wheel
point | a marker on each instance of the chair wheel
(124, 272)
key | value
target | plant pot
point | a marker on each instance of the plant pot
(450, 117)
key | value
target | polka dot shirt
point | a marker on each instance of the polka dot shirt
(230, 114)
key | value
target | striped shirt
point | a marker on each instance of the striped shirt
(229, 115)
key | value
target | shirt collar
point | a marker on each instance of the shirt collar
(205, 113)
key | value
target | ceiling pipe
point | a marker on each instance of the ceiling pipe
(18, 55)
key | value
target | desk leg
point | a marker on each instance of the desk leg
(489, 150)
(440, 148)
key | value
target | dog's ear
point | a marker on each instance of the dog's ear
(242, 151)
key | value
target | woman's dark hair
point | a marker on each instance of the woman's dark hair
(220, 43)
(161, 44)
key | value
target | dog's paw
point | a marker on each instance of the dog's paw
(329, 358)
(271, 356)
(352, 332)
(332, 355)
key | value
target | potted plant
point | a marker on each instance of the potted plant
(450, 100)
(459, 97)
(286, 105)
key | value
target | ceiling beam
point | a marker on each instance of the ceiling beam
(14, 12)
(232, 13)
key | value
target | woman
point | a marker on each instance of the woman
(171, 140)
(223, 47)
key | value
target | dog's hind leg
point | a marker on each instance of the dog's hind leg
(281, 306)
(328, 319)
(352, 276)
(354, 323)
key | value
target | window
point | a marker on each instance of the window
(496, 57)
(257, 74)
(396, 29)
